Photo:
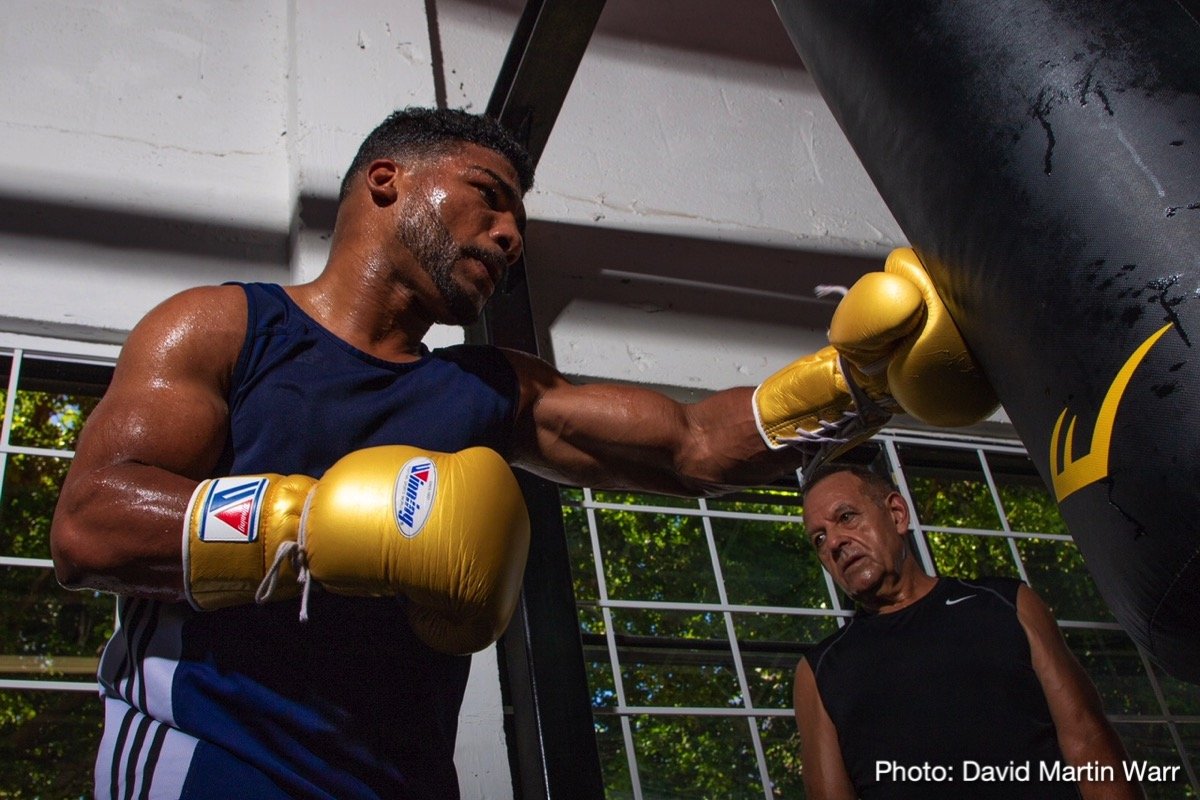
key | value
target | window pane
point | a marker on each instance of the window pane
(47, 631)
(53, 400)
(599, 668)
(1027, 504)
(1112, 661)
(48, 743)
(967, 556)
(1150, 745)
(696, 757)
(949, 488)
(1189, 734)
(579, 546)
(675, 658)
(781, 745)
(799, 631)
(1183, 699)
(5, 374)
(591, 619)
(655, 557)
(1056, 570)
(27, 500)
(48, 739)
(768, 564)
(614, 763)
(770, 646)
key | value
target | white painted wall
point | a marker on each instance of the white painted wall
(693, 193)
(196, 126)
(176, 111)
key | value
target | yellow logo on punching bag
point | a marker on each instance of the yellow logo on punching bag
(1073, 474)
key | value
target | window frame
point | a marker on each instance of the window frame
(19, 348)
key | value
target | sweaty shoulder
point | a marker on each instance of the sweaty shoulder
(211, 308)
(203, 328)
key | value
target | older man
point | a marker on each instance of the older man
(938, 687)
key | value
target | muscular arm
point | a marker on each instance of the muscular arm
(612, 436)
(157, 431)
(824, 771)
(1084, 733)
(621, 437)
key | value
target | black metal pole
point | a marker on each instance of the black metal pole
(543, 671)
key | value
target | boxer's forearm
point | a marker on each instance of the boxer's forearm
(117, 529)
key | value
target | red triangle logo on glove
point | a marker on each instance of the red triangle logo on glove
(237, 516)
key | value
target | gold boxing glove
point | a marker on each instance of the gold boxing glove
(233, 529)
(827, 402)
(820, 406)
(895, 322)
(448, 531)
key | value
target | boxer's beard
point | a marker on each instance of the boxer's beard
(428, 239)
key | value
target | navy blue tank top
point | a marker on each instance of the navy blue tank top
(944, 683)
(349, 704)
(302, 398)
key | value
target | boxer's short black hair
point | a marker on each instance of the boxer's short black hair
(430, 132)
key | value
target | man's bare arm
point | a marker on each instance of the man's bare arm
(613, 436)
(824, 770)
(1084, 733)
(156, 433)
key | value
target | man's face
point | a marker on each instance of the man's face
(463, 223)
(858, 539)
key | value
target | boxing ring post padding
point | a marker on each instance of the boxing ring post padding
(1043, 158)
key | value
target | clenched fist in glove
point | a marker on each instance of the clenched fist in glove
(894, 322)
(449, 532)
(893, 347)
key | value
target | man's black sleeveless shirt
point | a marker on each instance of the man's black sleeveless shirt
(946, 682)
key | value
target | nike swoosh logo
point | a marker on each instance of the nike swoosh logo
(959, 599)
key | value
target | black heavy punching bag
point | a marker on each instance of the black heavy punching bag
(1043, 158)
